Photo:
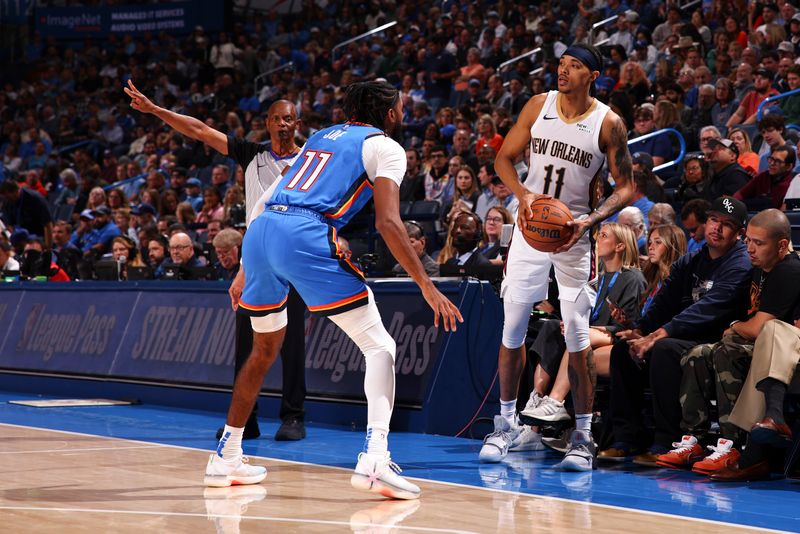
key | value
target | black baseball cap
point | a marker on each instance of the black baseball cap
(729, 207)
(766, 73)
(644, 159)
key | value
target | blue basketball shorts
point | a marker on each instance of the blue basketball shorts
(293, 245)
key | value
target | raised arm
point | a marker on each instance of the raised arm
(188, 126)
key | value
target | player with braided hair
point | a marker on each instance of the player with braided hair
(292, 238)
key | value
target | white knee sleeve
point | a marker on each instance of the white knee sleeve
(269, 323)
(365, 328)
(576, 322)
(515, 323)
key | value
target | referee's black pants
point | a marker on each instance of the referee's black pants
(293, 358)
(662, 372)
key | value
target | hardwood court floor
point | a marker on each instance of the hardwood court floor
(64, 482)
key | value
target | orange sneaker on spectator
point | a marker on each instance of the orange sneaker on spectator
(686, 452)
(722, 456)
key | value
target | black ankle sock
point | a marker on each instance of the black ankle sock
(774, 391)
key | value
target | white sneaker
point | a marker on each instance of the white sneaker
(547, 411)
(526, 440)
(533, 401)
(221, 474)
(582, 452)
(496, 445)
(379, 474)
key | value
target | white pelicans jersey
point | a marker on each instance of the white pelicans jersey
(565, 154)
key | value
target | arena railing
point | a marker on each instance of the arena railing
(73, 146)
(681, 142)
(770, 99)
(362, 36)
(126, 181)
(600, 24)
(690, 4)
(266, 74)
(513, 60)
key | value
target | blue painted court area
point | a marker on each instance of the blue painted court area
(763, 504)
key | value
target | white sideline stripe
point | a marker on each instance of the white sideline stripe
(428, 481)
(275, 519)
(73, 451)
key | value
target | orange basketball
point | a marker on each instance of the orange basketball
(547, 229)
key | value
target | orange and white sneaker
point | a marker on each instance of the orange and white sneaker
(686, 452)
(722, 455)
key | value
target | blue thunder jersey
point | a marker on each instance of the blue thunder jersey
(329, 175)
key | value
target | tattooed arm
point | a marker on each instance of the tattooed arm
(614, 142)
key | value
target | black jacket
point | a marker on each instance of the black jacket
(701, 296)
(726, 182)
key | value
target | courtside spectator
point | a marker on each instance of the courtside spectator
(23, 208)
(67, 255)
(496, 217)
(416, 238)
(462, 242)
(717, 371)
(98, 242)
(227, 244)
(704, 293)
(693, 219)
(7, 262)
(35, 260)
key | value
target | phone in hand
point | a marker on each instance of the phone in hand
(614, 307)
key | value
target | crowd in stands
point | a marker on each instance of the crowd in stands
(90, 187)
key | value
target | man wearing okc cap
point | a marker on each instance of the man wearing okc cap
(703, 294)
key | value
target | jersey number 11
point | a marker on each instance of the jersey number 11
(315, 161)
(549, 178)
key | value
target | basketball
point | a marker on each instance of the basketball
(547, 228)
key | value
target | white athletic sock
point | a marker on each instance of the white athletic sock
(508, 411)
(583, 421)
(377, 441)
(230, 444)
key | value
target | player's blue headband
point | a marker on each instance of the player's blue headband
(584, 56)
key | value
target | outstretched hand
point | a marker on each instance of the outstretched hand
(139, 102)
(442, 308)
